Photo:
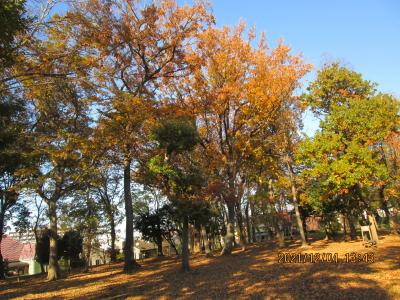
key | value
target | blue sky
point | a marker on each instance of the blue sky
(363, 34)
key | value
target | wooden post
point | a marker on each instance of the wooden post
(374, 231)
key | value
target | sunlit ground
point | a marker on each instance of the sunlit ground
(254, 273)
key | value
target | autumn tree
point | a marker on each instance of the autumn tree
(60, 137)
(235, 94)
(82, 213)
(134, 48)
(286, 140)
(106, 189)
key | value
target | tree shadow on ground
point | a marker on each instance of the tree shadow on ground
(252, 273)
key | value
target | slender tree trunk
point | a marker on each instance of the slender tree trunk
(353, 232)
(185, 244)
(113, 238)
(252, 221)
(230, 230)
(296, 206)
(53, 270)
(174, 247)
(35, 232)
(384, 204)
(304, 223)
(279, 231)
(197, 238)
(394, 225)
(389, 219)
(239, 217)
(224, 229)
(220, 241)
(191, 239)
(206, 241)
(328, 231)
(2, 271)
(345, 233)
(88, 253)
(129, 261)
(42, 271)
(159, 240)
(248, 226)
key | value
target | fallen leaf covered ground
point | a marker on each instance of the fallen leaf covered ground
(252, 273)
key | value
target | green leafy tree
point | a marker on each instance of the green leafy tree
(42, 254)
(72, 244)
(15, 156)
(13, 20)
(343, 159)
(13, 114)
(157, 226)
(22, 220)
(177, 174)
(336, 85)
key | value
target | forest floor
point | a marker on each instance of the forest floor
(252, 273)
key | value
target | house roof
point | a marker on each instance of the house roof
(13, 250)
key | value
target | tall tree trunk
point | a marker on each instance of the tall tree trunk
(389, 219)
(35, 232)
(239, 218)
(42, 270)
(279, 231)
(53, 270)
(394, 225)
(224, 229)
(353, 232)
(172, 244)
(129, 262)
(191, 238)
(206, 240)
(345, 233)
(248, 226)
(185, 244)
(2, 269)
(304, 223)
(230, 229)
(296, 206)
(384, 203)
(175, 249)
(252, 221)
(113, 238)
(159, 240)
(87, 254)
(328, 231)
